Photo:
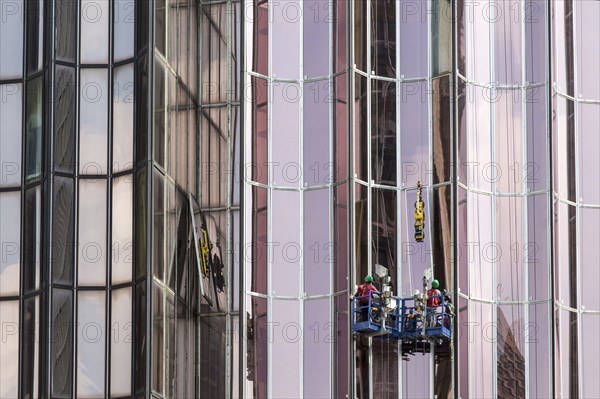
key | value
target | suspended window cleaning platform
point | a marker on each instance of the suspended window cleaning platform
(410, 320)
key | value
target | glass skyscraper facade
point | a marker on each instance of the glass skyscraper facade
(191, 189)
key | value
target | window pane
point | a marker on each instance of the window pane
(479, 138)
(481, 348)
(509, 161)
(510, 329)
(258, 92)
(10, 139)
(66, 30)
(9, 349)
(30, 356)
(64, 119)
(285, 355)
(32, 238)
(317, 18)
(441, 134)
(481, 255)
(589, 255)
(92, 232)
(94, 29)
(413, 38)
(360, 35)
(258, 252)
(535, 251)
(535, 171)
(590, 381)
(537, 335)
(285, 26)
(589, 121)
(508, 251)
(93, 121)
(11, 40)
(122, 229)
(385, 230)
(35, 35)
(158, 337)
(317, 168)
(139, 336)
(285, 227)
(160, 112)
(507, 24)
(121, 336)
(477, 43)
(256, 378)
(141, 221)
(123, 101)
(62, 344)
(383, 37)
(414, 129)
(91, 334)
(124, 29)
(318, 251)
(63, 230)
(33, 129)
(361, 128)
(212, 361)
(587, 30)
(10, 240)
(285, 114)
(317, 348)
(383, 132)
(158, 226)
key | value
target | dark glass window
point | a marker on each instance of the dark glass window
(62, 230)
(64, 119)
(383, 37)
(33, 226)
(33, 130)
(383, 132)
(66, 30)
(62, 343)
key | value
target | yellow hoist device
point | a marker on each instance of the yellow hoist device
(419, 216)
(204, 251)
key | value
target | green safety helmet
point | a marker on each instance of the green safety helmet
(435, 283)
(368, 279)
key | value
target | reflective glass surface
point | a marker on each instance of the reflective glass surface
(10, 239)
(121, 342)
(64, 119)
(123, 117)
(92, 232)
(94, 29)
(10, 139)
(9, 350)
(62, 346)
(318, 251)
(11, 40)
(93, 121)
(34, 132)
(91, 343)
(63, 230)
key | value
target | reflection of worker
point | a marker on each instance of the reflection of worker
(363, 292)
(434, 298)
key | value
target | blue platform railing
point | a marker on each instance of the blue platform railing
(408, 318)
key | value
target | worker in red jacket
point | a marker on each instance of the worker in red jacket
(434, 299)
(363, 292)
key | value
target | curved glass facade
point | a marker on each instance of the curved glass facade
(190, 190)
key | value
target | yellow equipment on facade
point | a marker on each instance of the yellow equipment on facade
(419, 216)
(204, 251)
